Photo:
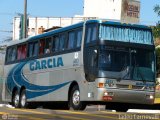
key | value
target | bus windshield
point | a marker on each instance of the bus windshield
(137, 64)
(143, 65)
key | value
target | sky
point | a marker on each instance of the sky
(59, 8)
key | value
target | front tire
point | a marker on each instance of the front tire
(15, 99)
(74, 102)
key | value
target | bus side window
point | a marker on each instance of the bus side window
(21, 52)
(79, 38)
(19, 49)
(11, 54)
(24, 51)
(48, 44)
(71, 40)
(30, 50)
(33, 49)
(8, 57)
(88, 34)
(62, 40)
(94, 33)
(91, 33)
(55, 44)
(14, 54)
(41, 46)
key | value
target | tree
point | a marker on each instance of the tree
(156, 29)
(158, 60)
(157, 9)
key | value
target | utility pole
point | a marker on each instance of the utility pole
(25, 20)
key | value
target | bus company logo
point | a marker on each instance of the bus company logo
(4, 117)
(75, 62)
(45, 64)
(9, 117)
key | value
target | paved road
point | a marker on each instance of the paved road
(89, 114)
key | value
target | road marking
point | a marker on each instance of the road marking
(31, 118)
(114, 113)
(87, 114)
(1, 113)
(49, 114)
(27, 110)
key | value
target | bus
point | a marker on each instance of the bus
(91, 62)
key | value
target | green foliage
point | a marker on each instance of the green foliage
(156, 31)
(158, 59)
(157, 9)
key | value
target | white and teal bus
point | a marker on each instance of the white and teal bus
(92, 62)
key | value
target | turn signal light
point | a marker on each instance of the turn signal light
(101, 85)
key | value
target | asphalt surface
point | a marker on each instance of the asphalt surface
(91, 113)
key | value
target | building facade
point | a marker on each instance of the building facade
(120, 10)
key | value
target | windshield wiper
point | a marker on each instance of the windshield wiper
(124, 76)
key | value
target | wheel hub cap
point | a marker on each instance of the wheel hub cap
(23, 100)
(16, 100)
(76, 97)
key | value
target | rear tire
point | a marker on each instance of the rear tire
(23, 99)
(15, 99)
(74, 100)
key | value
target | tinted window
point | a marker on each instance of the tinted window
(11, 54)
(71, 40)
(48, 44)
(88, 34)
(113, 60)
(79, 38)
(55, 44)
(62, 39)
(91, 33)
(21, 52)
(33, 49)
(41, 47)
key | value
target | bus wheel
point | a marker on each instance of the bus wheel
(23, 99)
(74, 101)
(15, 99)
(122, 109)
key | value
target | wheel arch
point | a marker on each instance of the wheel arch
(74, 83)
(22, 88)
(14, 90)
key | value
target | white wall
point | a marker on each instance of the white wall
(107, 9)
(48, 22)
